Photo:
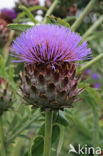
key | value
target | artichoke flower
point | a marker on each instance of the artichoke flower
(50, 53)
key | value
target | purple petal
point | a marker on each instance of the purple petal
(49, 44)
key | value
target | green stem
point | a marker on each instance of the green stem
(92, 28)
(50, 10)
(48, 133)
(2, 151)
(90, 63)
(89, 7)
(16, 150)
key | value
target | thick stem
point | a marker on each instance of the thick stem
(48, 133)
(50, 10)
(2, 151)
(89, 7)
(90, 63)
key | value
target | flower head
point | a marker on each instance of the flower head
(49, 44)
(49, 52)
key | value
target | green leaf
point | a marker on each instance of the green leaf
(19, 27)
(38, 143)
(28, 13)
(33, 8)
(26, 154)
(62, 22)
(2, 66)
(24, 136)
(56, 132)
(94, 101)
(37, 146)
(59, 21)
(70, 18)
(94, 96)
(61, 139)
(61, 119)
(79, 126)
(41, 130)
(95, 35)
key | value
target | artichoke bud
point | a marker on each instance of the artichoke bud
(48, 88)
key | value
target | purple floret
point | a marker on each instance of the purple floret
(49, 44)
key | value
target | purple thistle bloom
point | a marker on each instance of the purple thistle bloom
(95, 76)
(49, 44)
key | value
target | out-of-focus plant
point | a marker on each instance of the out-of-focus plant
(68, 8)
(6, 17)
